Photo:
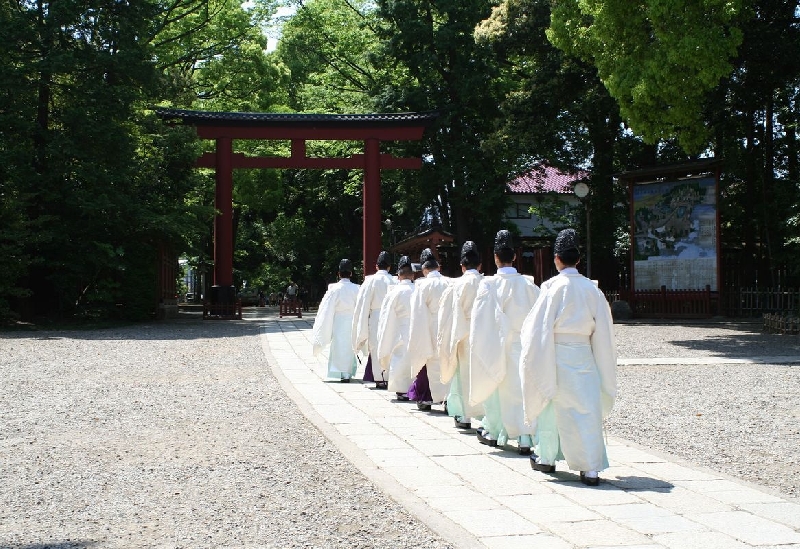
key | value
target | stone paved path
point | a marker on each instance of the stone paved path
(476, 496)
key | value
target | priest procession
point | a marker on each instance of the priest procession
(531, 369)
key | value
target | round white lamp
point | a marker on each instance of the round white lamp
(581, 190)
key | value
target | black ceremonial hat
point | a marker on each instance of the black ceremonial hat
(503, 240)
(404, 262)
(566, 240)
(383, 259)
(470, 253)
(427, 260)
(345, 266)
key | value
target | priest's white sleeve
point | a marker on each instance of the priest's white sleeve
(387, 331)
(604, 349)
(444, 340)
(537, 366)
(322, 331)
(360, 332)
(420, 346)
(486, 355)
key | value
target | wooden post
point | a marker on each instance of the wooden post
(371, 241)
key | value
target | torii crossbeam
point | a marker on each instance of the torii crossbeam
(224, 127)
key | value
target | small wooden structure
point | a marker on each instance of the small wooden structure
(222, 311)
(291, 307)
(434, 237)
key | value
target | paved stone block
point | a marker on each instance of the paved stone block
(662, 524)
(442, 447)
(682, 501)
(784, 512)
(546, 508)
(597, 533)
(493, 522)
(748, 528)
(474, 502)
(699, 540)
(383, 441)
(537, 541)
(631, 510)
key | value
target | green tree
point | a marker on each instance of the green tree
(557, 112)
(431, 48)
(658, 59)
(754, 115)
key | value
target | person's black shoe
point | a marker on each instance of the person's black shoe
(524, 450)
(589, 481)
(345, 380)
(424, 406)
(484, 439)
(462, 424)
(402, 397)
(382, 385)
(542, 467)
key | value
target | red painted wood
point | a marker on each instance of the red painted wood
(354, 162)
(223, 222)
(403, 133)
(372, 204)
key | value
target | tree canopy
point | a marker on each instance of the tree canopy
(93, 184)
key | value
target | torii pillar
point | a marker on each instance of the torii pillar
(371, 129)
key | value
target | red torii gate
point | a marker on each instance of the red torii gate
(224, 127)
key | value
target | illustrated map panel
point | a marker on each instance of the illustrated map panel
(675, 235)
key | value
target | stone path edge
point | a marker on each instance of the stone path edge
(441, 525)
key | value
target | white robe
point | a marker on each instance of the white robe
(424, 329)
(333, 327)
(569, 361)
(366, 316)
(501, 306)
(455, 317)
(393, 330)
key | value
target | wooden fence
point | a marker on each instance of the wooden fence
(781, 324)
(754, 302)
(664, 303)
(732, 302)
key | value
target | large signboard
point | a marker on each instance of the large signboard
(675, 234)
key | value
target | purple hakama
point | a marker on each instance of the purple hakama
(420, 390)
(368, 370)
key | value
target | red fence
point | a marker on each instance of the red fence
(665, 303)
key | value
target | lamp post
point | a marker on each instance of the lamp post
(582, 191)
(390, 227)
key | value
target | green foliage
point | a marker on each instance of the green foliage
(328, 46)
(442, 68)
(659, 59)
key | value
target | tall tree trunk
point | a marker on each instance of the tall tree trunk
(768, 180)
(750, 229)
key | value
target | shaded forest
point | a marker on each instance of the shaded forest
(93, 183)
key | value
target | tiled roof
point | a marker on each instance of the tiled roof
(546, 179)
(265, 118)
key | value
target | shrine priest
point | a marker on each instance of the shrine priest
(366, 317)
(393, 330)
(333, 325)
(455, 317)
(568, 367)
(501, 306)
(427, 387)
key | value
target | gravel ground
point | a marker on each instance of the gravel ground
(172, 435)
(177, 435)
(739, 419)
